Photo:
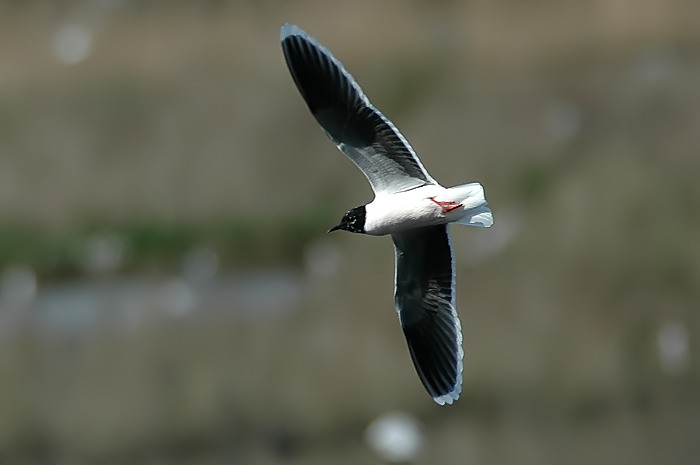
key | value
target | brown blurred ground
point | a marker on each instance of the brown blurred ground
(579, 307)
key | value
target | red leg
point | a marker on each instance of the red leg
(447, 207)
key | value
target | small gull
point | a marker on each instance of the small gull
(408, 204)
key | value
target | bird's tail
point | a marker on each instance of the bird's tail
(473, 200)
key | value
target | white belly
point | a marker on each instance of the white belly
(407, 210)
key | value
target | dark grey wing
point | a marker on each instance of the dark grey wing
(425, 300)
(359, 130)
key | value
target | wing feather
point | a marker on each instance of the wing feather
(346, 115)
(425, 300)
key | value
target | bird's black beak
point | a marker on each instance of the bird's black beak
(334, 228)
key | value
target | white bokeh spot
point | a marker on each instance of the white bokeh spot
(71, 44)
(396, 436)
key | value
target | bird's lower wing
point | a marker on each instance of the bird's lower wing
(425, 300)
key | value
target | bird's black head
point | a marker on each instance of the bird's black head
(353, 221)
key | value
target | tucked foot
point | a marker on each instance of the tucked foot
(448, 206)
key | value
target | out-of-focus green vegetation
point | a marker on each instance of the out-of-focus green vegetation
(167, 290)
(159, 245)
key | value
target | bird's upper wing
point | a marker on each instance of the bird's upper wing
(366, 136)
(425, 300)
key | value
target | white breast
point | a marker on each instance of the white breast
(405, 210)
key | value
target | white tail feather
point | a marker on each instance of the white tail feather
(480, 216)
(473, 200)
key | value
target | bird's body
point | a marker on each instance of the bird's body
(395, 213)
(429, 205)
(409, 205)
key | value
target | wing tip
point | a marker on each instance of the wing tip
(440, 377)
(452, 396)
(289, 30)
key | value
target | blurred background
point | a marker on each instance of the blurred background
(168, 293)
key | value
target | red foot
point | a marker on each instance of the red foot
(447, 206)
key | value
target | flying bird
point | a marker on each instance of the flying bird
(408, 204)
